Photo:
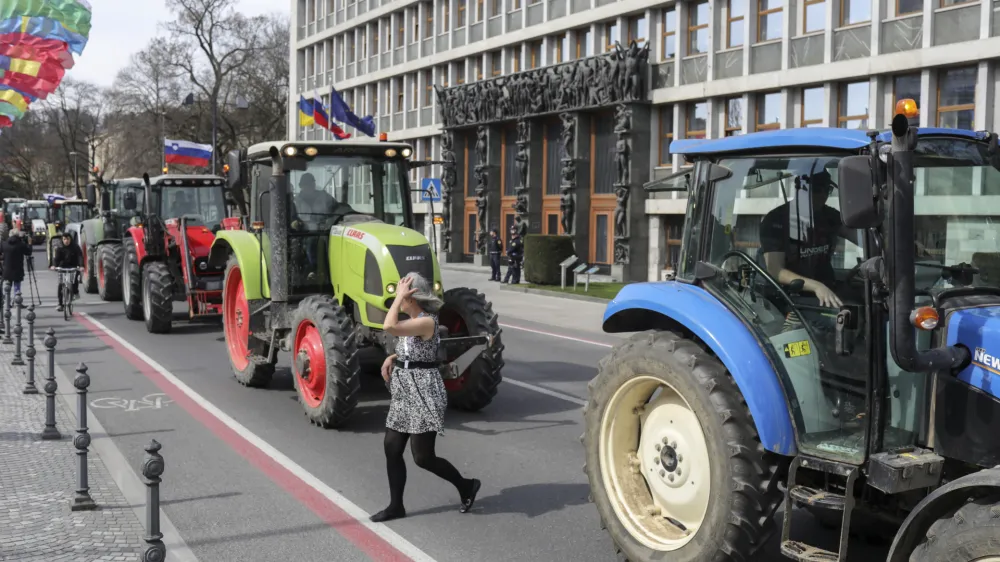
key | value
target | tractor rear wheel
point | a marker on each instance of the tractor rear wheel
(89, 269)
(157, 297)
(966, 535)
(466, 312)
(109, 272)
(247, 355)
(131, 281)
(325, 361)
(675, 465)
(4, 232)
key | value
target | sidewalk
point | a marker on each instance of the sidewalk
(473, 268)
(38, 479)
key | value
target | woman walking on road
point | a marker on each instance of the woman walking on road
(416, 412)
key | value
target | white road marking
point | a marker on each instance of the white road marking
(554, 335)
(547, 392)
(380, 529)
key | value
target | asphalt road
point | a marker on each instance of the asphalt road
(231, 501)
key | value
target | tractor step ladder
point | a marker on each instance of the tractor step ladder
(796, 495)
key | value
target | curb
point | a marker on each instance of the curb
(122, 472)
(544, 293)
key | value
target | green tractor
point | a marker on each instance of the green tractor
(65, 217)
(319, 282)
(100, 237)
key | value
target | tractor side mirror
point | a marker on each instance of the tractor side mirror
(105, 201)
(234, 177)
(858, 204)
(129, 201)
(91, 194)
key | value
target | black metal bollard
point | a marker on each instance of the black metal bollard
(51, 432)
(29, 387)
(7, 288)
(152, 469)
(82, 500)
(18, 304)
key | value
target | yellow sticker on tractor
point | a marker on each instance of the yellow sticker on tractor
(797, 349)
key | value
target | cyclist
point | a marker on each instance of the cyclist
(68, 256)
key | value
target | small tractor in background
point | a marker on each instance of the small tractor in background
(100, 237)
(11, 209)
(318, 279)
(750, 388)
(31, 220)
(166, 251)
(65, 216)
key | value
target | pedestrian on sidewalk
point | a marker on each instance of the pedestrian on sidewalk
(416, 411)
(515, 257)
(68, 256)
(15, 251)
(496, 250)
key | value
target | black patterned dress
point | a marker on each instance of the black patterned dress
(418, 395)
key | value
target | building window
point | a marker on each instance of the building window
(429, 28)
(815, 18)
(495, 9)
(611, 35)
(696, 120)
(734, 18)
(363, 39)
(813, 106)
(535, 57)
(387, 98)
(443, 76)
(413, 92)
(373, 100)
(857, 11)
(375, 35)
(947, 3)
(401, 34)
(428, 88)
(496, 60)
(638, 29)
(477, 66)
(584, 44)
(906, 86)
(768, 111)
(515, 55)
(445, 16)
(399, 95)
(460, 72)
(906, 7)
(480, 10)
(698, 29)
(734, 117)
(427, 149)
(515, 5)
(956, 98)
(667, 35)
(461, 13)
(666, 133)
(769, 20)
(852, 105)
(562, 48)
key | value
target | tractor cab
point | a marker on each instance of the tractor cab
(9, 211)
(33, 217)
(841, 290)
(199, 200)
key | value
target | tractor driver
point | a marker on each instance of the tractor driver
(181, 205)
(313, 206)
(805, 250)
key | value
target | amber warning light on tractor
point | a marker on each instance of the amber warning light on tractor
(383, 137)
(925, 318)
(907, 108)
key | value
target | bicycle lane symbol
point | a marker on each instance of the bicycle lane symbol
(154, 401)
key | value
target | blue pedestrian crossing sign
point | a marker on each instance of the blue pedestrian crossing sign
(434, 186)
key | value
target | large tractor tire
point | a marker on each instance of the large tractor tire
(247, 355)
(157, 297)
(971, 533)
(89, 268)
(466, 312)
(131, 281)
(676, 469)
(325, 361)
(4, 232)
(109, 272)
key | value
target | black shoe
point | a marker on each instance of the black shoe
(388, 514)
(470, 499)
(59, 308)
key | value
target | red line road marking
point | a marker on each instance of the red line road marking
(377, 541)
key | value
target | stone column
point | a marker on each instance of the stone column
(529, 188)
(487, 173)
(631, 228)
(453, 195)
(574, 189)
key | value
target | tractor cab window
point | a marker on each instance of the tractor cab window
(344, 190)
(75, 213)
(118, 198)
(785, 263)
(33, 212)
(202, 204)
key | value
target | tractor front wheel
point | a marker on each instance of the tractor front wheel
(109, 272)
(157, 297)
(969, 534)
(131, 281)
(89, 269)
(466, 312)
(324, 361)
(247, 355)
(675, 466)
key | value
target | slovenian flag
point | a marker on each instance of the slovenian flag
(187, 153)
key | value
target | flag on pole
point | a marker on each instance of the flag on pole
(306, 111)
(187, 153)
(342, 112)
(323, 120)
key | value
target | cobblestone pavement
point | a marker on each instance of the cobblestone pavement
(38, 479)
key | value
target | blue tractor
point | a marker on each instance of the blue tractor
(830, 340)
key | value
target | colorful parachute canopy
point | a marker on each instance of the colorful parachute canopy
(37, 41)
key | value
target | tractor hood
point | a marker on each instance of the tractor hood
(199, 237)
(383, 253)
(978, 329)
(38, 225)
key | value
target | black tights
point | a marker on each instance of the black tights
(422, 447)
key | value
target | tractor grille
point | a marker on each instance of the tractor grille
(410, 259)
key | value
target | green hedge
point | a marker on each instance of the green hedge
(542, 255)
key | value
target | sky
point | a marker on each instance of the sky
(122, 27)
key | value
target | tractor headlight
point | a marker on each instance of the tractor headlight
(437, 287)
(311, 151)
(390, 152)
(406, 152)
(290, 151)
(203, 266)
(391, 288)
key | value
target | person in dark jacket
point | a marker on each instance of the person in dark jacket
(515, 256)
(496, 250)
(15, 251)
(68, 256)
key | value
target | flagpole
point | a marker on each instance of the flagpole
(163, 142)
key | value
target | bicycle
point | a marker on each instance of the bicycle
(67, 276)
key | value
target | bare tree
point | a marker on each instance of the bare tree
(74, 113)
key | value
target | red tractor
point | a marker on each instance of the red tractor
(166, 250)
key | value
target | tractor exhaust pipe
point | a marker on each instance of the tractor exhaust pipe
(899, 254)
(278, 231)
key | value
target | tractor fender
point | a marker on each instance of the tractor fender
(108, 241)
(135, 233)
(938, 503)
(246, 247)
(670, 305)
